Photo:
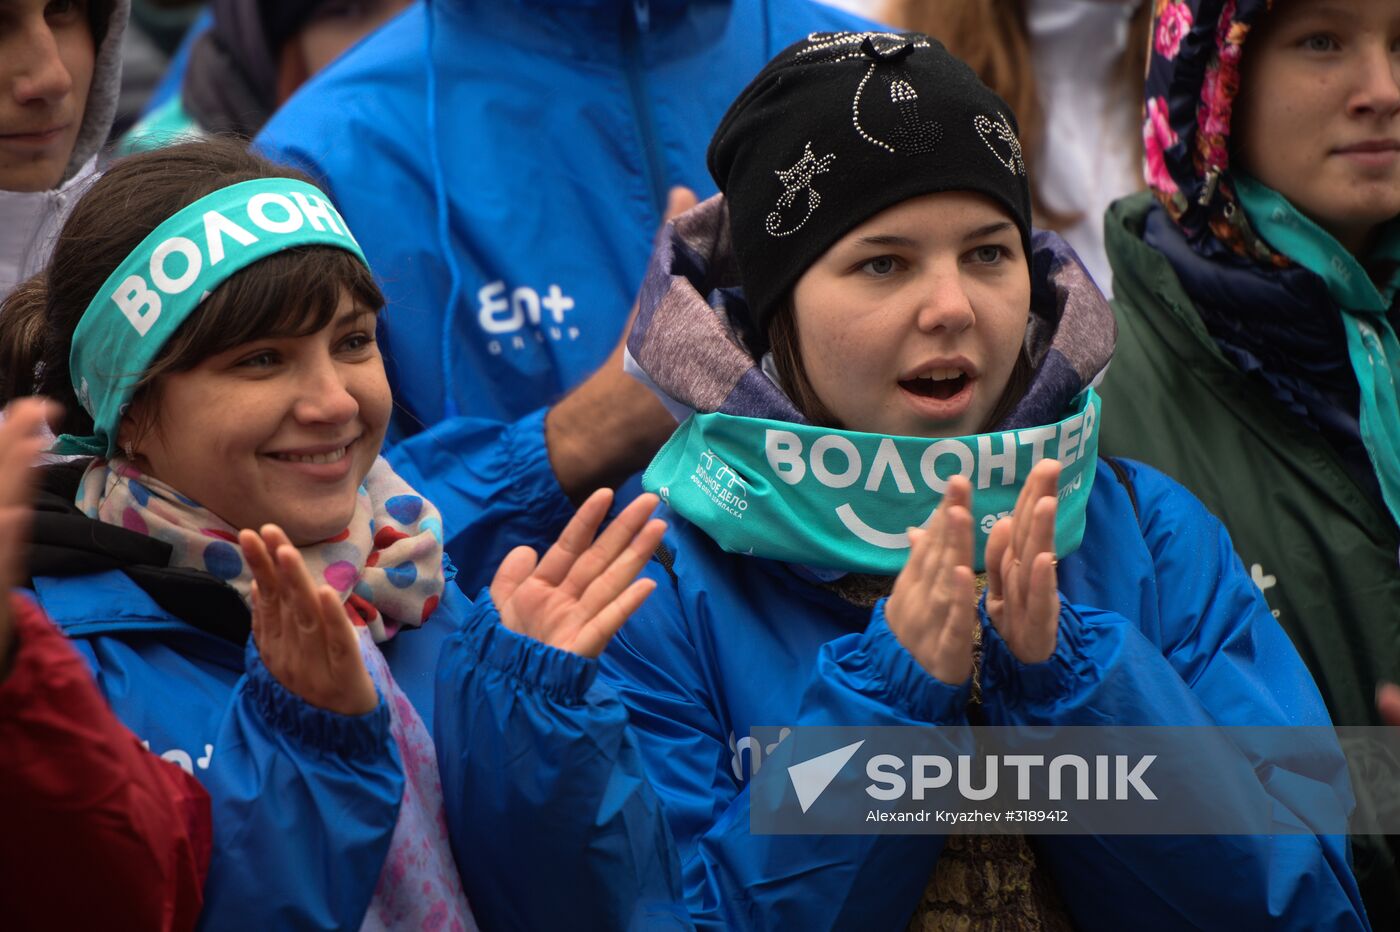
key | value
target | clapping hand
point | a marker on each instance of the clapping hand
(1023, 598)
(932, 609)
(306, 639)
(578, 595)
(22, 438)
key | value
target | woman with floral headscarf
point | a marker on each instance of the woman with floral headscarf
(1255, 294)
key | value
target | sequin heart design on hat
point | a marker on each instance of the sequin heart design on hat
(1001, 139)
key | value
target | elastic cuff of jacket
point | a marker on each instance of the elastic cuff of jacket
(361, 737)
(559, 674)
(921, 695)
(532, 477)
(1008, 681)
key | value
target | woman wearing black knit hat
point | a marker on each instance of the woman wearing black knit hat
(889, 510)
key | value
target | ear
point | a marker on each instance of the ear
(126, 432)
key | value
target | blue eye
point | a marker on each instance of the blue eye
(880, 266)
(258, 360)
(356, 342)
(1320, 42)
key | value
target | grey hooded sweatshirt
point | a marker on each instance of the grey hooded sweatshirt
(30, 220)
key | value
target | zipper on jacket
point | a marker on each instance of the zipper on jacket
(634, 27)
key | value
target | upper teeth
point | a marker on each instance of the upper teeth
(942, 375)
(332, 457)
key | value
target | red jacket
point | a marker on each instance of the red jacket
(96, 832)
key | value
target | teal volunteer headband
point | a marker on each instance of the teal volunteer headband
(164, 280)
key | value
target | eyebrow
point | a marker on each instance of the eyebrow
(886, 240)
(353, 315)
(988, 230)
(1307, 13)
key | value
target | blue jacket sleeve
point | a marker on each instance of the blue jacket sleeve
(493, 483)
(1215, 656)
(548, 810)
(304, 806)
(733, 878)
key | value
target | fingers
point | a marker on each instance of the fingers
(595, 637)
(1044, 480)
(909, 577)
(342, 644)
(954, 659)
(259, 561)
(620, 534)
(1388, 703)
(997, 543)
(21, 441)
(575, 538)
(623, 569)
(514, 570)
(1042, 611)
(678, 201)
(299, 592)
(267, 616)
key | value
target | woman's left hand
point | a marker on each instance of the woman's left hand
(578, 595)
(1023, 598)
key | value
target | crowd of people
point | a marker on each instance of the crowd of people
(357, 572)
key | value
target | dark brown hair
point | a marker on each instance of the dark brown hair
(792, 375)
(290, 293)
(994, 40)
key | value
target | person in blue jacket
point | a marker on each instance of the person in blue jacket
(865, 336)
(506, 164)
(207, 321)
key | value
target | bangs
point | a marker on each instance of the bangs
(289, 294)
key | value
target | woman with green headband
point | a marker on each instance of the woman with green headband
(207, 322)
(891, 512)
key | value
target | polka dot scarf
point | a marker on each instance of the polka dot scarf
(386, 565)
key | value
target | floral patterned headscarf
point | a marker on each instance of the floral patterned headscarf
(1193, 79)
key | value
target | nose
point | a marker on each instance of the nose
(943, 301)
(1377, 90)
(40, 74)
(324, 394)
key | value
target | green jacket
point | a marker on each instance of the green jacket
(1325, 555)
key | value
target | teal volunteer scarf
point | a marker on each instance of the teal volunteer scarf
(842, 500)
(1371, 341)
(167, 276)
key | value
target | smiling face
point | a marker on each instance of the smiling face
(912, 322)
(1318, 118)
(46, 63)
(278, 430)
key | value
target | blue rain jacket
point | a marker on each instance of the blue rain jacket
(304, 801)
(504, 164)
(1160, 625)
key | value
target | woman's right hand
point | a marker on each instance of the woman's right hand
(932, 609)
(21, 440)
(305, 638)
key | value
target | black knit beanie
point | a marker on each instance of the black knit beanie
(839, 127)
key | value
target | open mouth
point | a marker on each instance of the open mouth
(334, 456)
(941, 384)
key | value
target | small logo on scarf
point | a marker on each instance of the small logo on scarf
(720, 483)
